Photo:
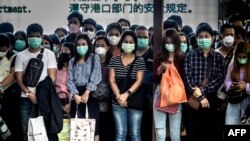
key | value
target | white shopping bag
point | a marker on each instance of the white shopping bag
(36, 129)
(82, 129)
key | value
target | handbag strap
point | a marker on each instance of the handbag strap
(86, 112)
(40, 55)
(130, 68)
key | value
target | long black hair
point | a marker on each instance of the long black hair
(77, 56)
(70, 46)
(128, 33)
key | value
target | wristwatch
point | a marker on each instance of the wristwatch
(27, 93)
(129, 93)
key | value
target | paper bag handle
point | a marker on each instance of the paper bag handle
(86, 112)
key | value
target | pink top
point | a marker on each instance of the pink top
(228, 80)
(61, 81)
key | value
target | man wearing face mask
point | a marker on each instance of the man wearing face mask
(28, 94)
(147, 53)
(89, 28)
(204, 73)
(74, 22)
(226, 50)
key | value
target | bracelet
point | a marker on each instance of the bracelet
(27, 93)
(201, 97)
(129, 93)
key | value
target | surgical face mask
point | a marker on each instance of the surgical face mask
(228, 41)
(190, 47)
(242, 61)
(101, 51)
(128, 48)
(113, 40)
(184, 47)
(20, 45)
(142, 43)
(46, 46)
(55, 49)
(34, 42)
(82, 50)
(73, 28)
(64, 57)
(90, 34)
(170, 47)
(2, 54)
(204, 43)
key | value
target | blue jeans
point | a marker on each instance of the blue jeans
(25, 112)
(127, 119)
(173, 120)
(233, 114)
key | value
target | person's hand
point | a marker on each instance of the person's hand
(234, 85)
(85, 97)
(32, 97)
(205, 103)
(77, 99)
(241, 86)
(161, 68)
(197, 92)
(66, 108)
(122, 99)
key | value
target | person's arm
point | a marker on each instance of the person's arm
(113, 83)
(70, 80)
(188, 77)
(156, 76)
(96, 75)
(228, 80)
(52, 73)
(9, 79)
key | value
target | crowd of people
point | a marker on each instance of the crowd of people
(209, 64)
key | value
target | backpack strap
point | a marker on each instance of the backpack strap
(40, 55)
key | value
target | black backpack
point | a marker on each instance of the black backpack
(33, 70)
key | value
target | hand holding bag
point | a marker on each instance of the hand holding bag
(36, 128)
(236, 96)
(82, 129)
(172, 89)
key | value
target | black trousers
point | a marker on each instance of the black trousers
(201, 124)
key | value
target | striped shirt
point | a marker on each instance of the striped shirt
(121, 70)
(81, 75)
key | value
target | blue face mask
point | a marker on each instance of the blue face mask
(170, 47)
(204, 43)
(184, 47)
(82, 50)
(20, 45)
(142, 43)
(34, 42)
(242, 61)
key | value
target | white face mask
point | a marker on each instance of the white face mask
(113, 40)
(170, 47)
(46, 46)
(90, 34)
(101, 51)
(228, 41)
(2, 54)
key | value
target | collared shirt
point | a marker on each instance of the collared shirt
(81, 74)
(195, 67)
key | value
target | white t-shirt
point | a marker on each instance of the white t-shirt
(23, 58)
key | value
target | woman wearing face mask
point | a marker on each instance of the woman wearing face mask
(171, 53)
(184, 43)
(126, 118)
(47, 42)
(102, 48)
(21, 42)
(83, 79)
(65, 54)
(114, 32)
(238, 77)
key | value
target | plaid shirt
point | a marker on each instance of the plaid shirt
(195, 68)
